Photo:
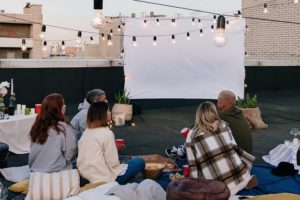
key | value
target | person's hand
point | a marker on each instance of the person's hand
(120, 147)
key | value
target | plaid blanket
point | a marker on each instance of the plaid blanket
(216, 156)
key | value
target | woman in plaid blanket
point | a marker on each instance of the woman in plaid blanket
(212, 151)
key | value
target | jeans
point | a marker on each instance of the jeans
(135, 166)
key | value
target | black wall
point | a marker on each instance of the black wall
(32, 85)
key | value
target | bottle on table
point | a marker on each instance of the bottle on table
(12, 104)
(2, 108)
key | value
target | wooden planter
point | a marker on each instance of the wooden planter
(253, 117)
(122, 108)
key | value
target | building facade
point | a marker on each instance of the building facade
(270, 43)
(16, 27)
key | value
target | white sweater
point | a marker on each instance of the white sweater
(98, 155)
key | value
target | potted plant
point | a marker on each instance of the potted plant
(251, 111)
(122, 105)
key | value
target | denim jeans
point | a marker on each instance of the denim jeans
(135, 166)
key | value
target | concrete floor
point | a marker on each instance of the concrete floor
(160, 128)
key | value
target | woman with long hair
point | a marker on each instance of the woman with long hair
(212, 151)
(98, 159)
(53, 144)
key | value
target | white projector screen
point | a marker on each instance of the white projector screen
(188, 69)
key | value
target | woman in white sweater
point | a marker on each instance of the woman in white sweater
(98, 159)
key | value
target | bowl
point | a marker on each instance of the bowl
(153, 170)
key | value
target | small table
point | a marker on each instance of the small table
(15, 132)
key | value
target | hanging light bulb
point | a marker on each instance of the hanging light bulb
(157, 22)
(173, 39)
(173, 22)
(154, 41)
(63, 45)
(201, 33)
(215, 19)
(23, 47)
(246, 54)
(219, 38)
(92, 40)
(145, 22)
(111, 32)
(239, 13)
(103, 36)
(296, 1)
(199, 22)
(227, 22)
(119, 28)
(122, 53)
(212, 28)
(265, 8)
(109, 40)
(43, 30)
(78, 40)
(188, 36)
(247, 28)
(99, 20)
(134, 41)
(193, 21)
(45, 46)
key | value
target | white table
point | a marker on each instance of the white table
(15, 132)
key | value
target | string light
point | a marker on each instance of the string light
(23, 47)
(212, 28)
(219, 38)
(78, 40)
(201, 33)
(173, 39)
(215, 19)
(134, 41)
(247, 28)
(122, 53)
(92, 40)
(228, 22)
(154, 41)
(157, 22)
(103, 37)
(45, 46)
(111, 32)
(42, 35)
(199, 21)
(63, 45)
(173, 22)
(265, 8)
(119, 28)
(193, 21)
(296, 1)
(109, 40)
(246, 54)
(145, 22)
(188, 36)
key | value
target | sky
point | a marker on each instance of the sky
(78, 14)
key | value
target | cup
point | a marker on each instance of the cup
(38, 108)
(27, 111)
(185, 132)
(120, 141)
(23, 109)
(19, 111)
(186, 170)
(32, 111)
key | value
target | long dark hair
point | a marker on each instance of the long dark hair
(49, 116)
(97, 115)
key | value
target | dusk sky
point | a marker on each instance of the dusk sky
(77, 14)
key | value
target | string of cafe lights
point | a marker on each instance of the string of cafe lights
(108, 36)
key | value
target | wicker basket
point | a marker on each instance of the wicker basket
(153, 170)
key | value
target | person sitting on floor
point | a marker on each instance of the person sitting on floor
(233, 116)
(97, 153)
(212, 151)
(53, 144)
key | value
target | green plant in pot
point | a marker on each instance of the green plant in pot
(251, 111)
(122, 105)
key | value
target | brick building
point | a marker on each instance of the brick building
(272, 43)
(13, 29)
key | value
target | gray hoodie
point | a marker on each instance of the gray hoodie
(79, 120)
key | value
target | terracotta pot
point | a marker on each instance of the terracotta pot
(122, 108)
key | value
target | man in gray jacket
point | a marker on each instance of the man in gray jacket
(79, 120)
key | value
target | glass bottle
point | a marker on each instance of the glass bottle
(2, 108)
(12, 104)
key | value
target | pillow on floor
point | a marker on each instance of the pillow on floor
(20, 187)
(57, 185)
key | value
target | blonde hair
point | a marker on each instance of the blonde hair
(207, 118)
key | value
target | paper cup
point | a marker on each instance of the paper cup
(38, 108)
(186, 170)
(120, 141)
(185, 132)
(32, 111)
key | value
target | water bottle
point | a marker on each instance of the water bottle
(12, 104)
(3, 192)
(2, 108)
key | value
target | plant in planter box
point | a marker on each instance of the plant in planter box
(251, 111)
(122, 105)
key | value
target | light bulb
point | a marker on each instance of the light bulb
(219, 38)
(173, 39)
(42, 35)
(122, 53)
(157, 22)
(212, 28)
(99, 20)
(145, 23)
(44, 48)
(215, 19)
(201, 33)
(188, 36)
(109, 43)
(63, 47)
(265, 8)
(173, 22)
(23, 47)
(119, 28)
(111, 32)
(154, 41)
(103, 36)
(296, 1)
(134, 41)
(193, 21)
(78, 40)
(199, 22)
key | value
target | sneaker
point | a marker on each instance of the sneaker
(181, 153)
(171, 152)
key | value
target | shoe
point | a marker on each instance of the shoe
(181, 153)
(171, 152)
(181, 157)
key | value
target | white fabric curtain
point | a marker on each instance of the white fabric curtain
(194, 69)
